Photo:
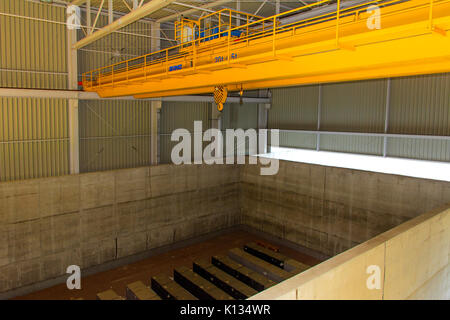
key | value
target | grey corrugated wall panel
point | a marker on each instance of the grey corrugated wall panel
(114, 134)
(33, 138)
(33, 53)
(169, 31)
(175, 115)
(235, 115)
(420, 105)
(294, 108)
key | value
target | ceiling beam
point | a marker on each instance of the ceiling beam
(260, 7)
(78, 2)
(83, 95)
(190, 11)
(127, 19)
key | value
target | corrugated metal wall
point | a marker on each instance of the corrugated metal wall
(294, 108)
(34, 132)
(353, 107)
(237, 116)
(176, 115)
(33, 138)
(418, 105)
(167, 31)
(33, 51)
(114, 134)
(286, 114)
(421, 105)
(115, 47)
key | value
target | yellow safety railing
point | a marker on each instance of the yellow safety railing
(260, 28)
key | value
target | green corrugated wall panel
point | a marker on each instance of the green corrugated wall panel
(294, 108)
(420, 105)
(425, 149)
(33, 138)
(34, 132)
(352, 144)
(302, 140)
(114, 134)
(33, 52)
(354, 106)
(104, 118)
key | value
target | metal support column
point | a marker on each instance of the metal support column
(88, 17)
(238, 8)
(72, 84)
(155, 105)
(154, 142)
(110, 12)
(263, 116)
(319, 113)
(386, 117)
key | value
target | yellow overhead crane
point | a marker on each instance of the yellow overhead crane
(235, 51)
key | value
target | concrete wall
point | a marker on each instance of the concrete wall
(89, 219)
(413, 260)
(96, 218)
(331, 209)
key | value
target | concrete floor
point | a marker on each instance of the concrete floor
(118, 278)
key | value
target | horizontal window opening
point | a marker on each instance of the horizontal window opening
(406, 167)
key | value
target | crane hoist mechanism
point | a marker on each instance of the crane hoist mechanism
(241, 93)
(324, 41)
(220, 96)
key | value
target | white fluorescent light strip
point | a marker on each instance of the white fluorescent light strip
(406, 167)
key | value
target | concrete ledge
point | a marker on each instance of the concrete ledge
(410, 257)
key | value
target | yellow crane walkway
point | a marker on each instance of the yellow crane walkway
(371, 40)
